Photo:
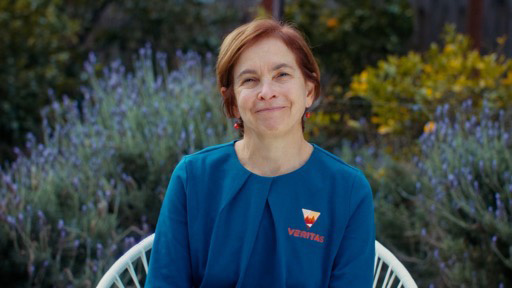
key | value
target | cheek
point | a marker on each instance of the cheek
(243, 99)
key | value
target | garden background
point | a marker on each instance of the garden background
(100, 100)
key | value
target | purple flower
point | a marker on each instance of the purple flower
(359, 160)
(91, 58)
(442, 266)
(476, 186)
(99, 250)
(31, 269)
(11, 220)
(60, 224)
(436, 253)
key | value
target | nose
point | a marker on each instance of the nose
(267, 91)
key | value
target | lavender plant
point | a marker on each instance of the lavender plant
(72, 204)
(464, 196)
(447, 212)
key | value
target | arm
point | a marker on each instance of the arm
(353, 263)
(169, 265)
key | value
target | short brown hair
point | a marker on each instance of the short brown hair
(244, 36)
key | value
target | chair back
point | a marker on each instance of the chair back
(396, 275)
(123, 271)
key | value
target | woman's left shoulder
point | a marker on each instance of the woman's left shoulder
(336, 165)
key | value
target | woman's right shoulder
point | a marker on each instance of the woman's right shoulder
(209, 157)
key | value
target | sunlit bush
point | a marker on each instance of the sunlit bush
(404, 91)
(347, 36)
(93, 188)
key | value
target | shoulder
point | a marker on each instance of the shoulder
(209, 153)
(212, 156)
(347, 176)
(336, 165)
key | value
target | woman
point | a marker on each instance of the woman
(270, 209)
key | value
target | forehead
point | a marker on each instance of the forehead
(265, 52)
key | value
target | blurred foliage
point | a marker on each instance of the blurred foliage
(404, 91)
(45, 42)
(346, 37)
(36, 36)
(71, 205)
(463, 192)
(446, 212)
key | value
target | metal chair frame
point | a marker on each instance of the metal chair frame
(383, 257)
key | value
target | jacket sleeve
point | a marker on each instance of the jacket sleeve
(169, 264)
(354, 260)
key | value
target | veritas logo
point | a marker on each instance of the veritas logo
(306, 235)
(310, 218)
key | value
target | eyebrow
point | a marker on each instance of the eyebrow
(276, 67)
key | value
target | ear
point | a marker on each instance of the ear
(223, 91)
(310, 93)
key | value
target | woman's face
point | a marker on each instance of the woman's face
(270, 90)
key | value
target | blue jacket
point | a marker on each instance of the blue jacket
(221, 225)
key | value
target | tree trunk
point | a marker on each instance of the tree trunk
(274, 8)
(475, 14)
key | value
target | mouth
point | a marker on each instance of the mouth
(270, 109)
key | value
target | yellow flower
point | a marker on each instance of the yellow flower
(332, 22)
(364, 76)
(384, 129)
(429, 127)
(380, 173)
(427, 68)
(449, 48)
(455, 64)
(508, 79)
(456, 88)
(428, 91)
(501, 40)
(359, 87)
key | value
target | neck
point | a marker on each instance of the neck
(272, 156)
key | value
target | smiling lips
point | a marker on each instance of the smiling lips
(270, 109)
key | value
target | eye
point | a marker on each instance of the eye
(248, 80)
(282, 74)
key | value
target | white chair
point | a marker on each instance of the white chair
(396, 274)
(126, 263)
(395, 270)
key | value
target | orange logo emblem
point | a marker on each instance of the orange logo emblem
(310, 217)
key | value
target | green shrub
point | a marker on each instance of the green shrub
(45, 42)
(346, 37)
(77, 201)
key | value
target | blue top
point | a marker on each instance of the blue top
(221, 225)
